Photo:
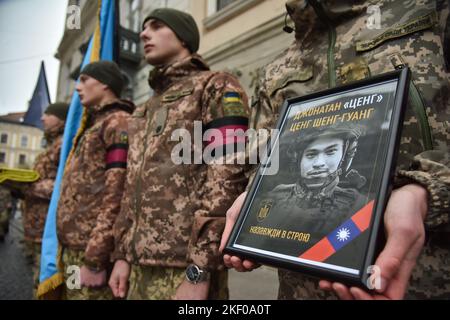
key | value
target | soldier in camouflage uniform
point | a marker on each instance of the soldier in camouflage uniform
(5, 208)
(37, 195)
(334, 45)
(172, 215)
(93, 181)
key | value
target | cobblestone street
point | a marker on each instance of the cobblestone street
(15, 272)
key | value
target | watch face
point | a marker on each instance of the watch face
(193, 273)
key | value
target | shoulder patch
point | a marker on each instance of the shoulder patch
(233, 104)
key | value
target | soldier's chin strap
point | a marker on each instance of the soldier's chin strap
(323, 191)
(344, 156)
(328, 188)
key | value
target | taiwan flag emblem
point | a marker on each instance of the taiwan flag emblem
(341, 236)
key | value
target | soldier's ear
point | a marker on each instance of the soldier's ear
(105, 87)
(184, 45)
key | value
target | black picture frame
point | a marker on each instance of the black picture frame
(258, 238)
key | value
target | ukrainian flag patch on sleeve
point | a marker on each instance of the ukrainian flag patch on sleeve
(233, 104)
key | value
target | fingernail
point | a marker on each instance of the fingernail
(383, 285)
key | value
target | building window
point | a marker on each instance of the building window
(220, 11)
(4, 138)
(2, 157)
(43, 143)
(24, 141)
(223, 3)
(134, 15)
(22, 159)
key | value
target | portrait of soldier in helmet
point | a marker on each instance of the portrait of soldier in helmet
(323, 158)
(325, 191)
(319, 212)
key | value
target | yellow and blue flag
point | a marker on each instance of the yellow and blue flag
(101, 47)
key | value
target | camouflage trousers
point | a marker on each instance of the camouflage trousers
(75, 258)
(431, 276)
(34, 250)
(161, 283)
(430, 279)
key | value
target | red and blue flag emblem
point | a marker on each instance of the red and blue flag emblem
(341, 236)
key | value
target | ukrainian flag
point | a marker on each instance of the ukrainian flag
(101, 47)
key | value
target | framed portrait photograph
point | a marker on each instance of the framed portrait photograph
(320, 212)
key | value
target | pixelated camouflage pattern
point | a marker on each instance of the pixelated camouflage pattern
(358, 53)
(76, 258)
(91, 194)
(431, 276)
(172, 215)
(38, 194)
(296, 287)
(161, 283)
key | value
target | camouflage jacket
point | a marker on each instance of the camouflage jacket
(37, 196)
(93, 184)
(333, 46)
(174, 214)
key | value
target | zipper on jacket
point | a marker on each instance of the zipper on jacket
(318, 8)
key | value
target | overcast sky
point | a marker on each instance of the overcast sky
(30, 31)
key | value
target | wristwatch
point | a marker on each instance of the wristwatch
(195, 275)
(94, 269)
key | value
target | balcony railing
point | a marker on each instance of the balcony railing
(129, 46)
(129, 52)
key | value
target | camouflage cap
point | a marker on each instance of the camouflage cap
(107, 72)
